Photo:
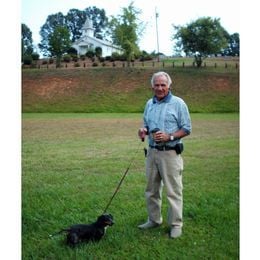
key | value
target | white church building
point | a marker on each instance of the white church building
(88, 41)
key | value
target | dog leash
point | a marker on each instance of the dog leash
(122, 179)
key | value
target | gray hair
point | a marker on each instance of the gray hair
(161, 73)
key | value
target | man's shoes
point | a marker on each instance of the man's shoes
(175, 232)
(149, 224)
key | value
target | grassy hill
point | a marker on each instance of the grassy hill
(125, 89)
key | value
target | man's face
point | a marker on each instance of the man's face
(160, 87)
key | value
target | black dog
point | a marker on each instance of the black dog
(87, 232)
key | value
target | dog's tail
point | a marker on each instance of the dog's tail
(59, 232)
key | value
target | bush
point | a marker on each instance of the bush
(123, 57)
(75, 58)
(98, 52)
(35, 56)
(27, 60)
(145, 57)
(82, 57)
(109, 58)
(116, 56)
(94, 64)
(72, 51)
(66, 58)
(90, 54)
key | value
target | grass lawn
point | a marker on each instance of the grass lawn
(72, 163)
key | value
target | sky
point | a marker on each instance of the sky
(34, 14)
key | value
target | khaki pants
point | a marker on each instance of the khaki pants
(164, 168)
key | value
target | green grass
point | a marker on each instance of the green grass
(126, 90)
(72, 163)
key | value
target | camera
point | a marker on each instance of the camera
(153, 132)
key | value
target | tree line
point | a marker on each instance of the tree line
(200, 38)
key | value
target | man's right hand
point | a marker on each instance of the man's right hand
(142, 133)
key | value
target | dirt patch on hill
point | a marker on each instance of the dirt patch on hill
(50, 86)
(221, 84)
(121, 90)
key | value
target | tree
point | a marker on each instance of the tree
(59, 43)
(74, 21)
(233, 46)
(125, 30)
(76, 18)
(53, 21)
(201, 38)
(27, 42)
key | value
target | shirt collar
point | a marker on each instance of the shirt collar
(166, 99)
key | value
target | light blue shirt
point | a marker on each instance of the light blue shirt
(169, 115)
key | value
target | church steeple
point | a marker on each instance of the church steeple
(87, 28)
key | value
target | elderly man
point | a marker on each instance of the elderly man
(166, 122)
